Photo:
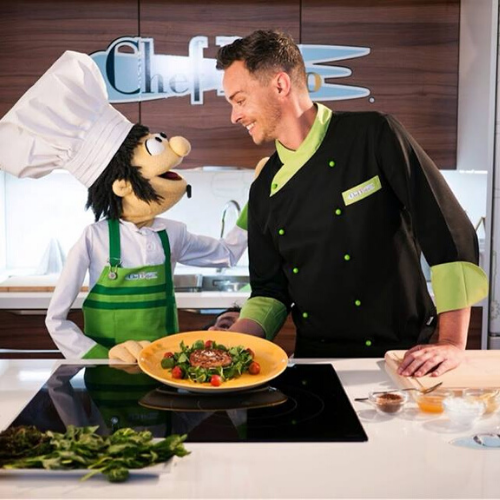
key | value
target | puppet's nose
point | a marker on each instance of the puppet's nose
(180, 146)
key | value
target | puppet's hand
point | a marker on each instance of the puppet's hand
(128, 351)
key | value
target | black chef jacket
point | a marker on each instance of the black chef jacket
(340, 243)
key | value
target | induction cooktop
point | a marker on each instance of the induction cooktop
(306, 403)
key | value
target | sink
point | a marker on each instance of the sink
(224, 283)
(187, 282)
(209, 283)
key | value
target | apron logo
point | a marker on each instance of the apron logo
(361, 191)
(139, 74)
(142, 276)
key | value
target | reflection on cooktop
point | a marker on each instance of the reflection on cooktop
(306, 403)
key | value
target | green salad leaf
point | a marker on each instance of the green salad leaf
(241, 357)
(83, 448)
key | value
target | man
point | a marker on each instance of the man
(338, 218)
(224, 320)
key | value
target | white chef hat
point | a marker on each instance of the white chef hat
(63, 121)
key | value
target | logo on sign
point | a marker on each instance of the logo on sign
(138, 74)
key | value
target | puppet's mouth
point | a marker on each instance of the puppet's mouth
(171, 176)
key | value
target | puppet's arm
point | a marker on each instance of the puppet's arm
(205, 251)
(71, 341)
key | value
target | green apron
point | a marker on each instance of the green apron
(131, 304)
(116, 394)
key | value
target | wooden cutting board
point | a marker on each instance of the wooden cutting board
(480, 369)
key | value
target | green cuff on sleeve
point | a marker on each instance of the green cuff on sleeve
(269, 313)
(458, 285)
(242, 221)
(97, 352)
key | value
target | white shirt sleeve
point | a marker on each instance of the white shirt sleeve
(71, 341)
(205, 251)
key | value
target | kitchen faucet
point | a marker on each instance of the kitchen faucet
(227, 206)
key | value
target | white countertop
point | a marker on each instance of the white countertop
(408, 455)
(185, 300)
(40, 300)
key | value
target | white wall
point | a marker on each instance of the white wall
(3, 246)
(53, 207)
(38, 210)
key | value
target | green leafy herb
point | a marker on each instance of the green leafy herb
(82, 448)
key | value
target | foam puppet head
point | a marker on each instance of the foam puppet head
(65, 121)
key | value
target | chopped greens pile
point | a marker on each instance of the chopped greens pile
(25, 447)
(241, 357)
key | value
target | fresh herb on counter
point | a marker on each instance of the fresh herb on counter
(82, 448)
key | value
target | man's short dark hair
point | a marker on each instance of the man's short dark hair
(264, 52)
(229, 310)
(101, 198)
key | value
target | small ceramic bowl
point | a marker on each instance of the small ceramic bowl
(388, 402)
(432, 402)
(490, 398)
(463, 411)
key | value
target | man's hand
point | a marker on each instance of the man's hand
(447, 353)
(128, 351)
(430, 359)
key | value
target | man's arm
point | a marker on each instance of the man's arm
(249, 327)
(446, 354)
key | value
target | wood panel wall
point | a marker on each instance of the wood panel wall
(412, 70)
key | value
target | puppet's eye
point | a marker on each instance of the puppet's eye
(154, 146)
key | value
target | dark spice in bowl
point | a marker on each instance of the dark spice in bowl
(390, 402)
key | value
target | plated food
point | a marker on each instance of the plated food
(203, 355)
(207, 361)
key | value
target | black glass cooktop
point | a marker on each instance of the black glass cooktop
(306, 403)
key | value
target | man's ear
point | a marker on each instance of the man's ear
(283, 83)
(122, 188)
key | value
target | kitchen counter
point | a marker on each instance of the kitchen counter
(408, 455)
(35, 292)
(185, 300)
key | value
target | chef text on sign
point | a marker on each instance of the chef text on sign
(133, 72)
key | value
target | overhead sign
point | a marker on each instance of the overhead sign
(134, 73)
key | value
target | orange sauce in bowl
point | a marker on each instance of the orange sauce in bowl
(433, 402)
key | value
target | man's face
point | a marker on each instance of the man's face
(255, 105)
(155, 156)
(225, 321)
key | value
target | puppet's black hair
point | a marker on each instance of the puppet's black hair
(101, 199)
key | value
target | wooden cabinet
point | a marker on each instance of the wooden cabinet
(25, 331)
(410, 66)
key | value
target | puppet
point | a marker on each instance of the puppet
(65, 121)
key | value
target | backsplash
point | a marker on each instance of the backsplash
(36, 214)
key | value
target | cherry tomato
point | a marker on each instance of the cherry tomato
(251, 352)
(168, 354)
(216, 380)
(177, 372)
(254, 368)
(208, 344)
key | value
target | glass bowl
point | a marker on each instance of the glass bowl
(432, 402)
(463, 411)
(490, 398)
(388, 402)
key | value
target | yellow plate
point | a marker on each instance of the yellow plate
(272, 359)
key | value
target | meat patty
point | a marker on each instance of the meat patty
(210, 358)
